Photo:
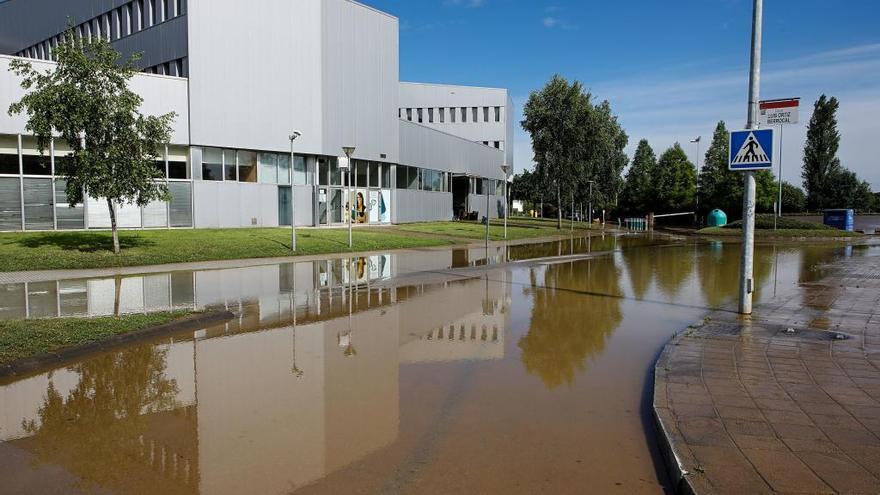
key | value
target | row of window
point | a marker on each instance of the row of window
(26, 159)
(422, 179)
(118, 23)
(454, 114)
(251, 166)
(176, 68)
(30, 203)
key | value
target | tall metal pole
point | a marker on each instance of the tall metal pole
(779, 208)
(349, 151)
(486, 187)
(746, 282)
(292, 202)
(506, 204)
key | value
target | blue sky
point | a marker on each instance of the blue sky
(671, 69)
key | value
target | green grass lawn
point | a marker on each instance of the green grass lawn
(786, 227)
(20, 339)
(816, 233)
(59, 250)
(476, 231)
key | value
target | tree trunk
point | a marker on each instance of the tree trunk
(558, 207)
(113, 227)
(117, 296)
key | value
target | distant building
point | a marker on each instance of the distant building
(328, 68)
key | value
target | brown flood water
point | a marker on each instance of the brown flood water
(426, 372)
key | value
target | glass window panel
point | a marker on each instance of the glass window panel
(386, 175)
(284, 207)
(212, 164)
(283, 169)
(335, 173)
(10, 203)
(181, 204)
(38, 206)
(452, 115)
(413, 178)
(402, 176)
(463, 114)
(36, 164)
(474, 111)
(8, 155)
(485, 114)
(247, 166)
(229, 165)
(177, 169)
(497, 114)
(442, 111)
(438, 181)
(374, 174)
(360, 174)
(323, 171)
(68, 217)
(269, 168)
(300, 171)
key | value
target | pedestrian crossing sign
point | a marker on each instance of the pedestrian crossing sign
(751, 149)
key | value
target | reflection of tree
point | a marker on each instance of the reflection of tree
(567, 324)
(672, 267)
(813, 261)
(95, 431)
(718, 271)
(640, 270)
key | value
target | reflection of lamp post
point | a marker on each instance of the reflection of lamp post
(506, 169)
(293, 137)
(348, 150)
(590, 212)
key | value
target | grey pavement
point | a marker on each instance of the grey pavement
(787, 401)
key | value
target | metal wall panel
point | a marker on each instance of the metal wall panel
(420, 206)
(423, 147)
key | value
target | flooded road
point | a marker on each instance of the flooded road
(520, 370)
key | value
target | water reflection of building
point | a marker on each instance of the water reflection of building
(257, 404)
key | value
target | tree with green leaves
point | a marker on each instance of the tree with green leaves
(574, 142)
(675, 181)
(793, 199)
(639, 193)
(85, 101)
(722, 188)
(820, 152)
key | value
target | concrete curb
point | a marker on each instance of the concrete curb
(684, 482)
(31, 364)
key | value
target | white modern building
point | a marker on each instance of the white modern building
(241, 76)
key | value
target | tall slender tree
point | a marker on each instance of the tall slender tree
(86, 100)
(820, 152)
(639, 193)
(574, 142)
(676, 181)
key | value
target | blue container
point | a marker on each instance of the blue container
(840, 219)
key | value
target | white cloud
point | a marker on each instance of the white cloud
(471, 4)
(674, 107)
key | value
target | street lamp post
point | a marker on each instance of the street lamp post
(349, 151)
(293, 137)
(590, 207)
(698, 140)
(506, 169)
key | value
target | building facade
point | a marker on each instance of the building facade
(326, 68)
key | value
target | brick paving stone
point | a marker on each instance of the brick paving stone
(755, 409)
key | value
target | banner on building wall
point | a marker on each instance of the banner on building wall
(384, 206)
(373, 206)
(360, 206)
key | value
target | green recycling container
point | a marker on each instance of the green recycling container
(716, 218)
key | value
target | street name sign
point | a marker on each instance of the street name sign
(779, 112)
(751, 149)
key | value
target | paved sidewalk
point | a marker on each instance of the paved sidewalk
(786, 402)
